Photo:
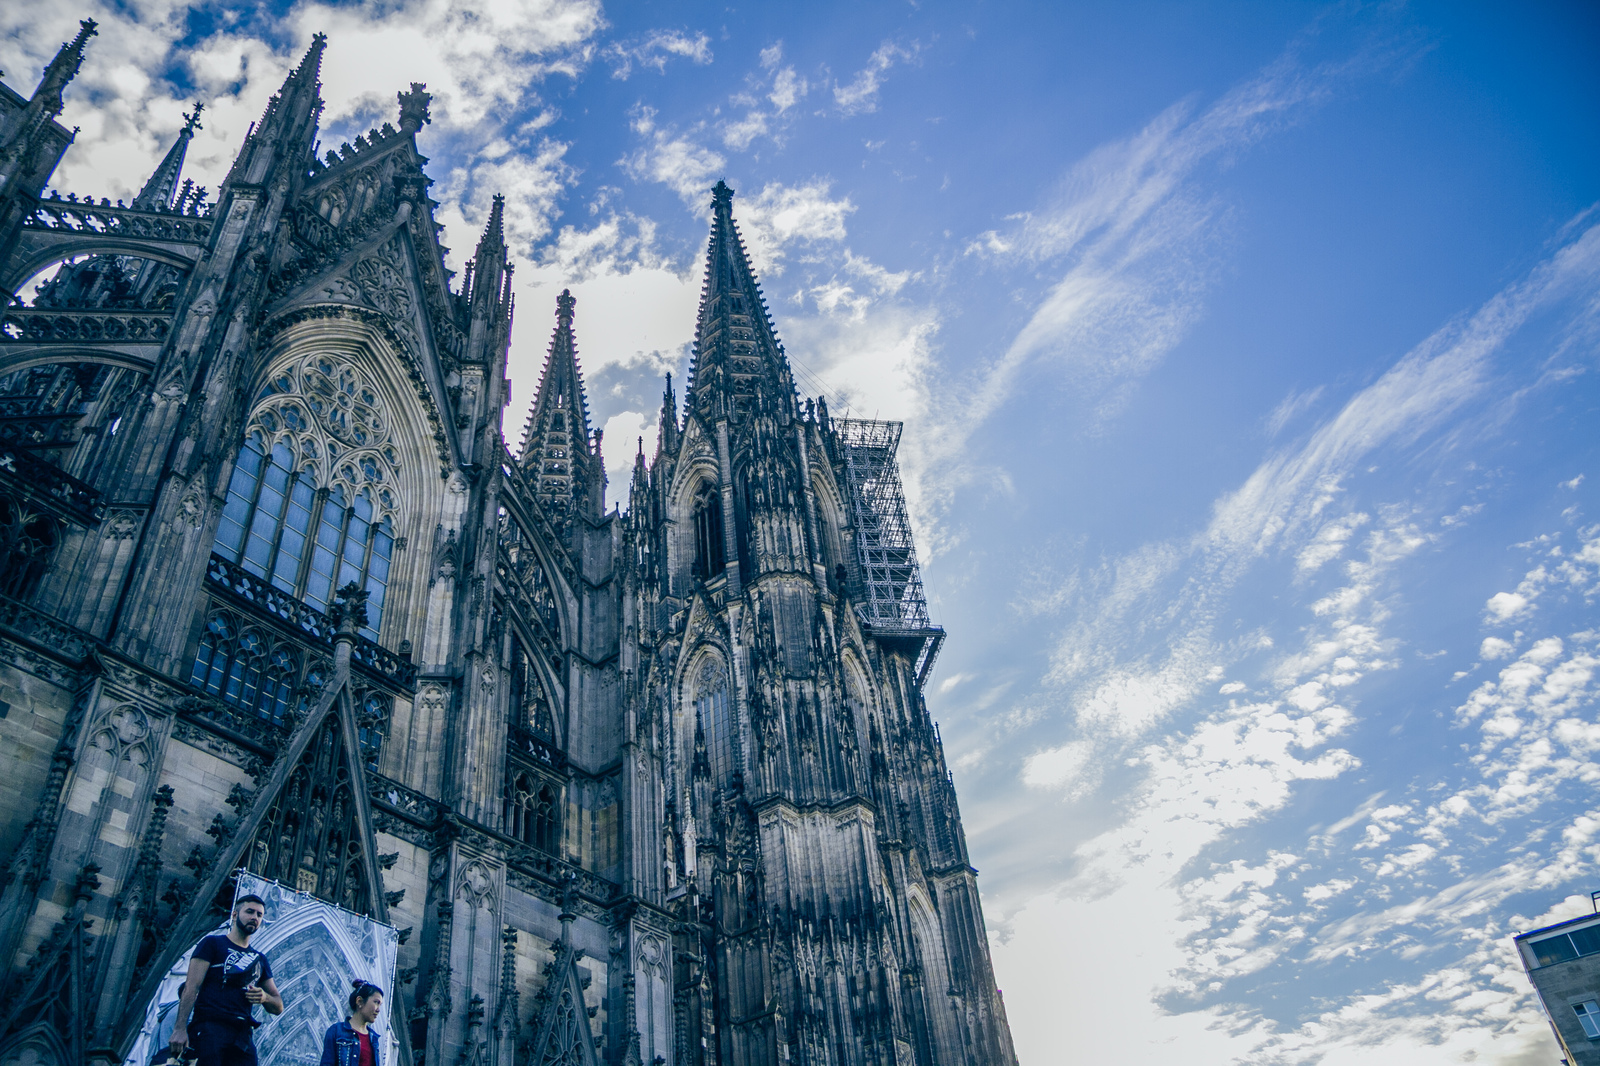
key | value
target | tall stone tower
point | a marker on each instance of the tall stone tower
(645, 787)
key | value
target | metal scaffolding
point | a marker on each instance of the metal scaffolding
(893, 603)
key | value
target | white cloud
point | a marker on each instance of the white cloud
(861, 95)
(788, 89)
(1209, 771)
(1133, 241)
(1057, 766)
(1504, 606)
(623, 434)
(1329, 542)
(782, 215)
(1494, 648)
(654, 49)
(533, 179)
(674, 160)
(738, 135)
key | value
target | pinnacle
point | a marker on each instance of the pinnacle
(560, 386)
(157, 192)
(311, 62)
(736, 352)
(494, 232)
(63, 68)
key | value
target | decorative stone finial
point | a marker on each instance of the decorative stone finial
(414, 107)
(566, 303)
(349, 611)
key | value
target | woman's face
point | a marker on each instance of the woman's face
(368, 1011)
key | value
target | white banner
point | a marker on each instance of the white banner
(316, 950)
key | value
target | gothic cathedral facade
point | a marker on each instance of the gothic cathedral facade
(653, 787)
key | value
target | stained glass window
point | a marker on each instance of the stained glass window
(715, 719)
(310, 504)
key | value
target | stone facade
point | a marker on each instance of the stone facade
(655, 786)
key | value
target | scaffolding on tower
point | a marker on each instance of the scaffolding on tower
(892, 606)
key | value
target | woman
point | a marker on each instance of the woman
(350, 1043)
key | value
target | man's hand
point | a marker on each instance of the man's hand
(254, 994)
(178, 1041)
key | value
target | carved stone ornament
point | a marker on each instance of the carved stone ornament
(120, 525)
(192, 507)
(128, 723)
(475, 884)
(343, 289)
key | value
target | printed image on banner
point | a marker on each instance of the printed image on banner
(316, 950)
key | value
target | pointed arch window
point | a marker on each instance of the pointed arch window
(242, 666)
(531, 813)
(532, 706)
(714, 719)
(310, 504)
(710, 556)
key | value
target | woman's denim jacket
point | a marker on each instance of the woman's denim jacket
(340, 1047)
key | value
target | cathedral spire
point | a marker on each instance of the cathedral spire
(556, 447)
(667, 430)
(158, 191)
(287, 129)
(23, 132)
(489, 273)
(62, 69)
(739, 365)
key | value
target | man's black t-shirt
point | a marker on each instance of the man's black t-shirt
(221, 996)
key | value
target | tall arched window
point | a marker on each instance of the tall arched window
(710, 555)
(531, 813)
(715, 719)
(530, 705)
(310, 505)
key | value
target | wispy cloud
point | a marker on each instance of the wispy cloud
(1293, 405)
(1409, 884)
(1137, 239)
(861, 94)
(673, 159)
(654, 50)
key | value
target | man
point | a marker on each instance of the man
(226, 979)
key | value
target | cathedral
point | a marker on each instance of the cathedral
(653, 786)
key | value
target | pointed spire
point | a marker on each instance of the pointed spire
(489, 272)
(738, 363)
(639, 487)
(158, 191)
(63, 68)
(287, 129)
(26, 144)
(494, 233)
(556, 445)
(667, 429)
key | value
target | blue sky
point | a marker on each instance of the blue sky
(1248, 359)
